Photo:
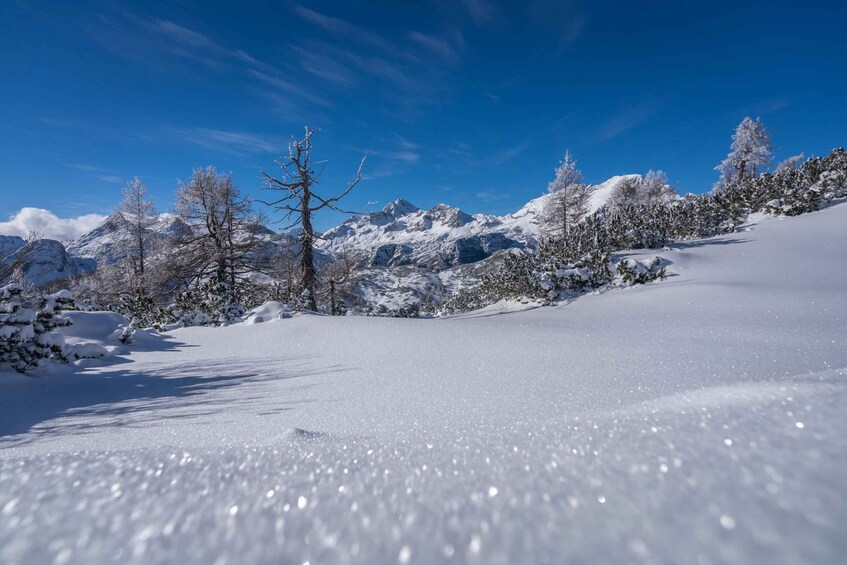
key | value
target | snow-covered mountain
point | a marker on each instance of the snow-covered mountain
(47, 262)
(444, 236)
(100, 243)
(437, 239)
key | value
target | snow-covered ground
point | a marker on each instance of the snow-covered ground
(696, 420)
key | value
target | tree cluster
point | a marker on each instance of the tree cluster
(583, 259)
(212, 258)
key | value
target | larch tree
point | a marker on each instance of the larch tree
(139, 212)
(221, 241)
(568, 200)
(299, 202)
(750, 152)
(655, 189)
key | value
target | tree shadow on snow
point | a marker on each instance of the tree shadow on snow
(119, 397)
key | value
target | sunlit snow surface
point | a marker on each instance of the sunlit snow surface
(698, 420)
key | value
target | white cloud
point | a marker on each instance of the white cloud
(48, 225)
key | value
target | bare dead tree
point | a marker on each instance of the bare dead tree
(299, 202)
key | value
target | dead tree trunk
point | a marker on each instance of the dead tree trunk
(296, 182)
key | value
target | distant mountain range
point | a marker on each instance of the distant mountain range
(408, 254)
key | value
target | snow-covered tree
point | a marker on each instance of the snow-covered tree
(139, 212)
(568, 200)
(655, 189)
(222, 238)
(751, 152)
(299, 202)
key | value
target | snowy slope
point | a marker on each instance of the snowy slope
(700, 419)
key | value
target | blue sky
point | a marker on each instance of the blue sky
(468, 102)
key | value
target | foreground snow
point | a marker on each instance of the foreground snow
(700, 419)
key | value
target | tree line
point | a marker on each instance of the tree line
(212, 257)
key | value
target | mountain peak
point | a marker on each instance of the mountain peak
(399, 207)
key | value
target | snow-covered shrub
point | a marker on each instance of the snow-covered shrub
(632, 272)
(833, 184)
(211, 303)
(28, 334)
(140, 309)
(558, 272)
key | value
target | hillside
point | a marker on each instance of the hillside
(699, 416)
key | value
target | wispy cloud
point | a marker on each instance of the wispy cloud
(480, 11)
(565, 19)
(94, 127)
(627, 120)
(235, 142)
(461, 149)
(99, 172)
(767, 106)
(406, 144)
(490, 195)
(446, 49)
(341, 27)
(280, 84)
(508, 153)
(141, 38)
(323, 66)
(409, 157)
(48, 225)
(85, 167)
(573, 29)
